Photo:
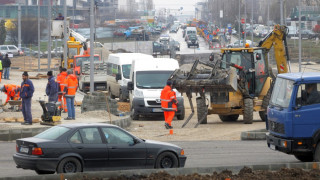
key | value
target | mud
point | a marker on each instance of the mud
(244, 174)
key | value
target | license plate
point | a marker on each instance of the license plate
(24, 150)
(101, 87)
(272, 147)
(157, 110)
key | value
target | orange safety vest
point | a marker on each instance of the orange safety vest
(168, 96)
(12, 91)
(61, 80)
(71, 85)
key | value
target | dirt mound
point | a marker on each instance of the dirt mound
(244, 174)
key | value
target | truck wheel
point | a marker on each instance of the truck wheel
(304, 157)
(134, 115)
(316, 155)
(181, 115)
(264, 105)
(201, 109)
(248, 111)
(229, 118)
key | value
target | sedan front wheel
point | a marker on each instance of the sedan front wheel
(167, 160)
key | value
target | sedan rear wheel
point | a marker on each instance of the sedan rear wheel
(167, 160)
(69, 165)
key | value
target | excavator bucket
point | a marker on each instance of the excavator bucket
(205, 78)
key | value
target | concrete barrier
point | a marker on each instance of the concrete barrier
(174, 171)
(254, 135)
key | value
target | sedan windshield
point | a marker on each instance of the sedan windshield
(52, 133)
(152, 79)
(282, 92)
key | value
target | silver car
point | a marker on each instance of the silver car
(9, 49)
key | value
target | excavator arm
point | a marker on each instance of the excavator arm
(277, 39)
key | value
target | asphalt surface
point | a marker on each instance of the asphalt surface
(199, 154)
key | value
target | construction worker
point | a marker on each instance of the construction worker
(12, 91)
(168, 104)
(52, 88)
(71, 89)
(6, 63)
(61, 80)
(26, 94)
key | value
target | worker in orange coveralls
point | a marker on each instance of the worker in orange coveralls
(168, 104)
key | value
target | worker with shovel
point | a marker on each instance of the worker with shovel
(12, 91)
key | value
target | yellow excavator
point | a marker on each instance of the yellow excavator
(238, 83)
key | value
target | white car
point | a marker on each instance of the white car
(236, 44)
(164, 37)
(10, 49)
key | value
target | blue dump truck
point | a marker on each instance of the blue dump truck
(294, 116)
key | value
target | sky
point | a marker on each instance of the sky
(188, 5)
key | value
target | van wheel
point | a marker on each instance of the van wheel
(248, 111)
(181, 115)
(134, 115)
(304, 157)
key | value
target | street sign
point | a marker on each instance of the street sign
(242, 21)
(221, 14)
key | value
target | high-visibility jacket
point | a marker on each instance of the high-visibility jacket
(168, 99)
(61, 80)
(12, 91)
(71, 85)
(0, 65)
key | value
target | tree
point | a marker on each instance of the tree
(29, 31)
(3, 32)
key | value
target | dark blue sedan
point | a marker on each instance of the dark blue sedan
(71, 148)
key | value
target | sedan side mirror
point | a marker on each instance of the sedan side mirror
(130, 86)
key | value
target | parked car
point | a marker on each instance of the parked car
(237, 44)
(119, 32)
(30, 52)
(70, 148)
(308, 34)
(53, 52)
(10, 49)
(174, 29)
(176, 45)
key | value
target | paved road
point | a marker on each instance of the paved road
(200, 154)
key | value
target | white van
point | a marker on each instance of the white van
(148, 77)
(191, 30)
(118, 73)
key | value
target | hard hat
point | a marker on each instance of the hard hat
(247, 45)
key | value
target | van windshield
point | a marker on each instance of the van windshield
(126, 70)
(152, 79)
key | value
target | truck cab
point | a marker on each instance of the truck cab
(293, 116)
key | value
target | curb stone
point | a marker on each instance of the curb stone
(13, 134)
(175, 171)
(254, 135)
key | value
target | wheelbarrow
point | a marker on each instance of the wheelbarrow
(15, 105)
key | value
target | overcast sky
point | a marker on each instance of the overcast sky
(188, 5)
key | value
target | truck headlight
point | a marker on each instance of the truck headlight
(138, 93)
(284, 144)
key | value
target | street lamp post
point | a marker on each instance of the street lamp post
(91, 47)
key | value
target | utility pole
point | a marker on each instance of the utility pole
(239, 21)
(299, 35)
(252, 21)
(91, 47)
(19, 25)
(245, 23)
(281, 12)
(49, 34)
(65, 34)
(38, 37)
